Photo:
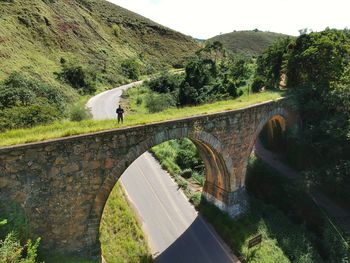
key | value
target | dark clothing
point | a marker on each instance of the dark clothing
(120, 113)
(120, 118)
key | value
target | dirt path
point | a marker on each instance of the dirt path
(340, 215)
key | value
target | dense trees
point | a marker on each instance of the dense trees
(272, 64)
(317, 67)
(210, 75)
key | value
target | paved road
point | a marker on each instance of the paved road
(176, 233)
(103, 105)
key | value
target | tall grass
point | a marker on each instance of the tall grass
(121, 236)
(68, 128)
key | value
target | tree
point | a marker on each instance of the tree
(272, 63)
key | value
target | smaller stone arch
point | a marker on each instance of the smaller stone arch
(286, 119)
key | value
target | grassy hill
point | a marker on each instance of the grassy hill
(249, 43)
(36, 34)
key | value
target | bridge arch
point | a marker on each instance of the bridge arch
(209, 148)
(283, 117)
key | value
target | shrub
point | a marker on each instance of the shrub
(12, 232)
(78, 77)
(79, 113)
(338, 249)
(20, 90)
(165, 83)
(258, 84)
(187, 173)
(199, 178)
(116, 30)
(11, 250)
(159, 102)
(27, 116)
(131, 69)
(138, 101)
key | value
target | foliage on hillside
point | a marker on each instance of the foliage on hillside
(55, 50)
(35, 35)
(26, 102)
(247, 43)
(317, 67)
(209, 76)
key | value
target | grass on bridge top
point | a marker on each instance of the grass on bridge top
(69, 128)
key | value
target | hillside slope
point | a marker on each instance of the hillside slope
(36, 34)
(249, 43)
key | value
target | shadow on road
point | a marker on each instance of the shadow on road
(194, 246)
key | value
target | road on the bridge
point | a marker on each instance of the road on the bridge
(175, 232)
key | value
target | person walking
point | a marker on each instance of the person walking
(120, 114)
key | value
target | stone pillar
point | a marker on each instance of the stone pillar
(234, 203)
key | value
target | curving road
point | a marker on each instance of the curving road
(175, 232)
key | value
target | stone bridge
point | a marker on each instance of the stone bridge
(62, 185)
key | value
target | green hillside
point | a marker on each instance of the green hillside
(249, 43)
(36, 34)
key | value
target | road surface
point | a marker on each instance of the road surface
(175, 232)
(103, 105)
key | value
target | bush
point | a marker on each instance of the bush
(159, 102)
(187, 173)
(79, 113)
(138, 101)
(41, 112)
(13, 232)
(116, 30)
(258, 84)
(11, 250)
(165, 83)
(338, 249)
(131, 69)
(79, 78)
(20, 90)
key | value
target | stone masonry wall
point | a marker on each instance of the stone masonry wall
(63, 185)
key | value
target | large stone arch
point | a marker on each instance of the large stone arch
(209, 147)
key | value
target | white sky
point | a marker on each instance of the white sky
(207, 18)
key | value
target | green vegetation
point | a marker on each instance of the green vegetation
(283, 241)
(209, 76)
(121, 236)
(181, 159)
(67, 128)
(292, 200)
(317, 66)
(36, 35)
(53, 51)
(25, 102)
(284, 226)
(247, 43)
(293, 228)
(78, 78)
(15, 246)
